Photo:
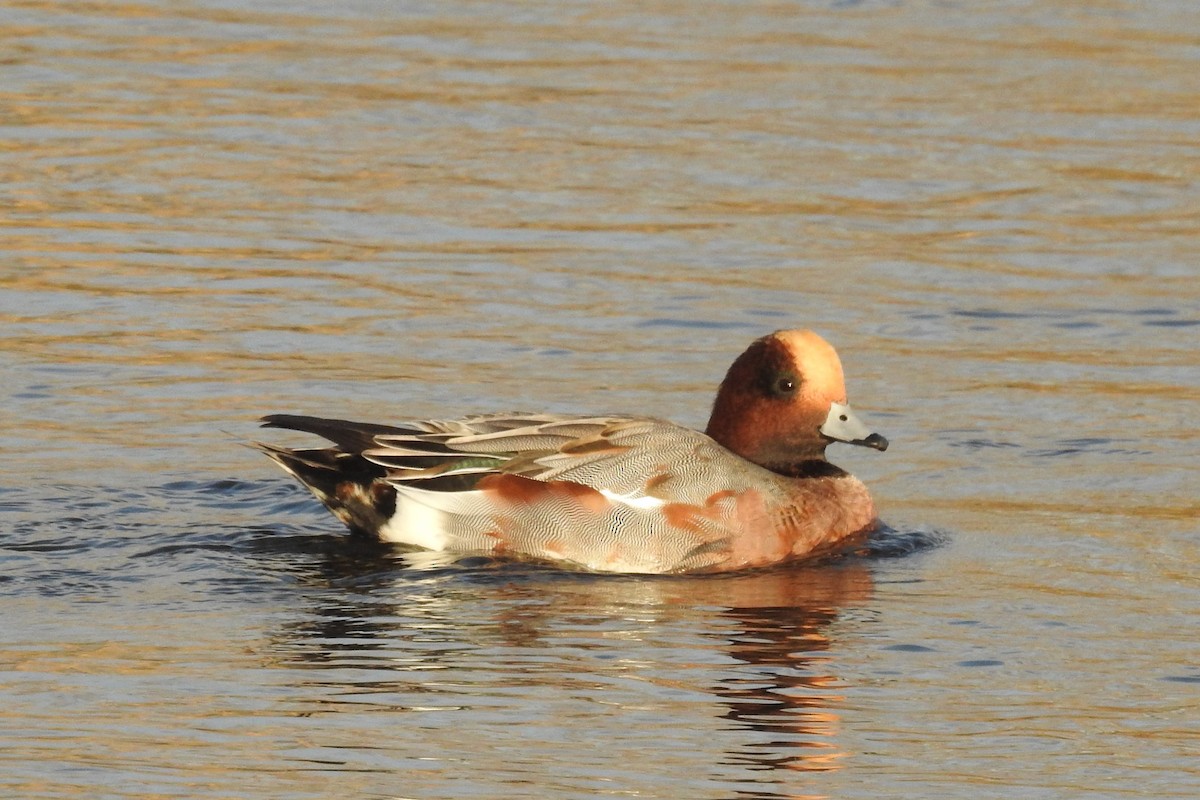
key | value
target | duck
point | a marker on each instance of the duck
(622, 494)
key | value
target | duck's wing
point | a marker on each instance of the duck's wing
(627, 456)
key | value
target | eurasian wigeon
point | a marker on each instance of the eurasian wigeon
(619, 493)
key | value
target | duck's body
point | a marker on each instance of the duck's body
(618, 494)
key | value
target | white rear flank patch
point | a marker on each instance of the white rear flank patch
(423, 516)
(416, 523)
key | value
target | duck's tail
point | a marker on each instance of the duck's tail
(351, 487)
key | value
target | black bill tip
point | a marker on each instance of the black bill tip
(874, 440)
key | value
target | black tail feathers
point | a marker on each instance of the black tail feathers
(351, 487)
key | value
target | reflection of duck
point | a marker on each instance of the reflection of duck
(619, 494)
(734, 669)
(787, 695)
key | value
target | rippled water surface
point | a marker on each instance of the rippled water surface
(215, 210)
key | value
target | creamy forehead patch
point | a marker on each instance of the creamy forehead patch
(818, 363)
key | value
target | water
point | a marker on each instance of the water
(219, 210)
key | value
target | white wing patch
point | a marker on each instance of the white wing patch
(644, 502)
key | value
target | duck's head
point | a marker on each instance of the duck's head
(784, 401)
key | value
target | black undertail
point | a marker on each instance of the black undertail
(354, 490)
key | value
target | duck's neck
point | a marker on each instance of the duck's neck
(811, 468)
(768, 448)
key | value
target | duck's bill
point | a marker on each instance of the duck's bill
(843, 426)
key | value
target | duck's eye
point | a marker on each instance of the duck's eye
(784, 385)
